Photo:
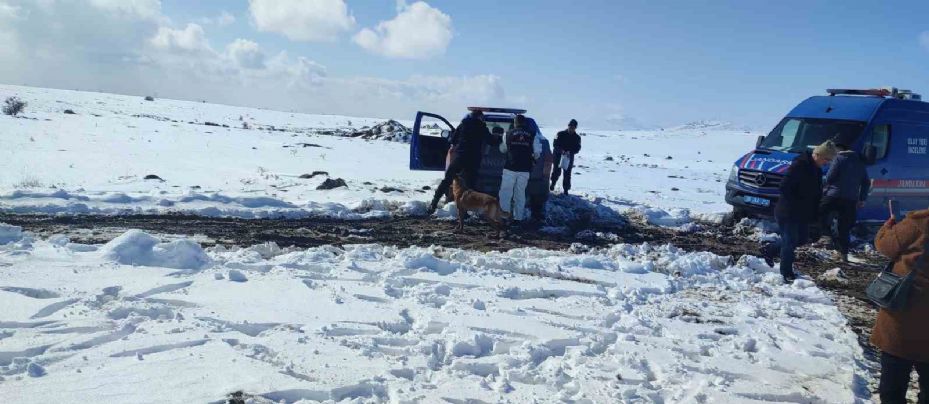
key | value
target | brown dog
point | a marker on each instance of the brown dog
(468, 200)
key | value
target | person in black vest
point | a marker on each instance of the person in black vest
(846, 188)
(567, 145)
(467, 149)
(798, 206)
(522, 148)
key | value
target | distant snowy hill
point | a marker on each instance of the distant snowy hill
(626, 123)
(622, 122)
(221, 160)
(709, 125)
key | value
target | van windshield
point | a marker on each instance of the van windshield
(796, 135)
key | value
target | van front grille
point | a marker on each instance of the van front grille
(759, 179)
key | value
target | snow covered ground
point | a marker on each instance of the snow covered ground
(137, 320)
(95, 161)
(142, 319)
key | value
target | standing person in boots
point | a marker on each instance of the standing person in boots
(903, 335)
(846, 188)
(467, 149)
(567, 145)
(522, 148)
(537, 191)
(801, 192)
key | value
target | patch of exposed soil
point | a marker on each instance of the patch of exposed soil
(401, 232)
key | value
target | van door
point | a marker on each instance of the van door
(430, 142)
(901, 174)
(880, 171)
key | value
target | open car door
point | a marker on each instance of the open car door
(430, 142)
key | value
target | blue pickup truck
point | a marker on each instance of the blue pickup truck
(430, 151)
(889, 127)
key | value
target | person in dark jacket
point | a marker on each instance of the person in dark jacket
(846, 188)
(522, 148)
(903, 335)
(567, 145)
(537, 190)
(798, 206)
(467, 148)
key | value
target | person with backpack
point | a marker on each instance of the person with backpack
(902, 335)
(567, 145)
(846, 188)
(468, 143)
(801, 192)
(522, 148)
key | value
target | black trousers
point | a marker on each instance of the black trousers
(459, 166)
(895, 379)
(537, 206)
(556, 172)
(843, 211)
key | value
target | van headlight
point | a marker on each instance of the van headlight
(734, 174)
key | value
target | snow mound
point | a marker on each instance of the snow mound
(669, 218)
(210, 205)
(573, 210)
(237, 276)
(10, 234)
(136, 247)
(390, 130)
(757, 229)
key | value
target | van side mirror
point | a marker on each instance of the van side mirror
(870, 154)
(446, 133)
(759, 142)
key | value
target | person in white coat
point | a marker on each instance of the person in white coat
(522, 148)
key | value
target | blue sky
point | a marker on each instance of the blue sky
(607, 63)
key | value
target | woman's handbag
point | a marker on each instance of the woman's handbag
(889, 290)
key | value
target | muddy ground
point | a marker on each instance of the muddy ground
(403, 232)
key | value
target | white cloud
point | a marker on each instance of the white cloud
(9, 11)
(145, 9)
(46, 33)
(222, 20)
(419, 31)
(302, 20)
(399, 99)
(132, 48)
(924, 39)
(225, 19)
(190, 39)
(186, 52)
(246, 54)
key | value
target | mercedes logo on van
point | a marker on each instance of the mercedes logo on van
(759, 179)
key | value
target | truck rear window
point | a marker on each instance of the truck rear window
(799, 134)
